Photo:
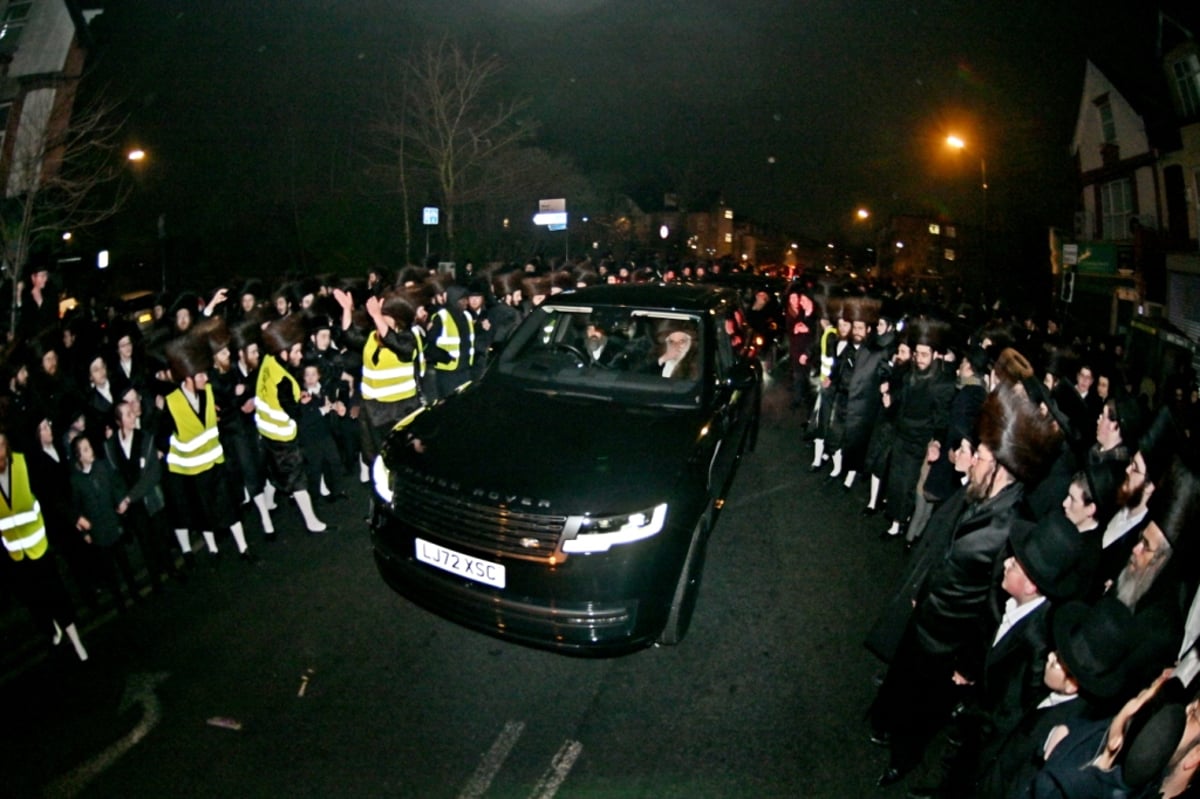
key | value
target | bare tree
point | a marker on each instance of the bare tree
(65, 173)
(446, 127)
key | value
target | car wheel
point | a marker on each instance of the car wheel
(683, 601)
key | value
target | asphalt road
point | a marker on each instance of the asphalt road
(338, 687)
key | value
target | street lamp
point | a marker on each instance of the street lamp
(958, 143)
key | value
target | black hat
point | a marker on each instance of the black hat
(1158, 444)
(1154, 733)
(315, 322)
(1103, 482)
(1175, 506)
(1052, 553)
(979, 360)
(1129, 418)
(255, 288)
(478, 287)
(1095, 642)
(185, 299)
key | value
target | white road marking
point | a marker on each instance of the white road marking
(492, 761)
(560, 767)
(139, 690)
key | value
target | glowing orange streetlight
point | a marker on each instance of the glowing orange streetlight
(862, 213)
(136, 155)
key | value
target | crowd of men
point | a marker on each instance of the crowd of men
(1044, 635)
(1045, 632)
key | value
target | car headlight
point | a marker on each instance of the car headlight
(382, 479)
(599, 533)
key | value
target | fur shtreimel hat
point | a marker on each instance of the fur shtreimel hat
(214, 331)
(283, 334)
(187, 356)
(925, 330)
(1022, 440)
(861, 309)
(249, 332)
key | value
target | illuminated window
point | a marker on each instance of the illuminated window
(11, 25)
(729, 238)
(951, 231)
(935, 229)
(948, 254)
(1116, 203)
(729, 213)
(1187, 84)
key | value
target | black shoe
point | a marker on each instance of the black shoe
(881, 738)
(877, 678)
(270, 538)
(249, 556)
(890, 776)
(888, 535)
(815, 469)
(329, 528)
(868, 511)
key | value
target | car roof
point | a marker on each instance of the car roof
(682, 297)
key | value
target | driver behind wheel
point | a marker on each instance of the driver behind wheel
(603, 349)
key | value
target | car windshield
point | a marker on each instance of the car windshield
(616, 354)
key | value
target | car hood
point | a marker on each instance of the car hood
(561, 454)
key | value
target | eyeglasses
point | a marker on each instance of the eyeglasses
(1144, 543)
(982, 459)
(680, 341)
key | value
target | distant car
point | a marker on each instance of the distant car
(567, 503)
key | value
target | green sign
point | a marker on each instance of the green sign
(1096, 258)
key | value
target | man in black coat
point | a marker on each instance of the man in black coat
(857, 400)
(955, 613)
(921, 414)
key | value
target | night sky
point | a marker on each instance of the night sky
(248, 105)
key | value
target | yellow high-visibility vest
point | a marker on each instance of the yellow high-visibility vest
(269, 417)
(195, 446)
(450, 341)
(21, 518)
(387, 379)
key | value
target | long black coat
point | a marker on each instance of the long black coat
(922, 413)
(959, 610)
(857, 401)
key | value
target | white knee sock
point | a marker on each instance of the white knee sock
(260, 502)
(185, 540)
(894, 529)
(211, 541)
(304, 503)
(837, 464)
(875, 484)
(324, 488)
(269, 491)
(850, 475)
(239, 536)
(73, 634)
(364, 471)
(818, 451)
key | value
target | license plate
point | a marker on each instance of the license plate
(477, 569)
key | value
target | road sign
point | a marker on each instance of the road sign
(429, 215)
(559, 204)
(551, 218)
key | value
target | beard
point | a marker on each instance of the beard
(979, 490)
(1130, 498)
(594, 345)
(1132, 583)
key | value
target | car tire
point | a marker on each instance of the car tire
(683, 601)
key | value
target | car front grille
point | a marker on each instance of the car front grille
(455, 519)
